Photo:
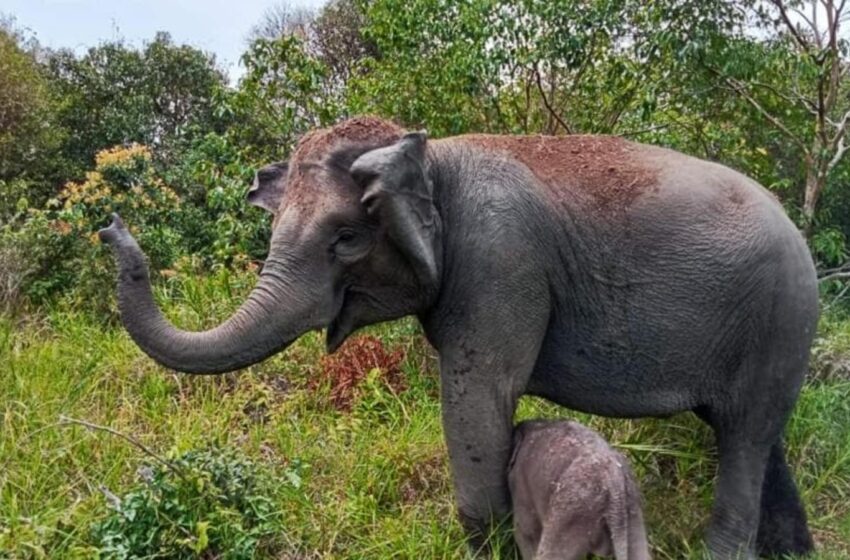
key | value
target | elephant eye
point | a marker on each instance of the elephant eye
(351, 244)
(346, 236)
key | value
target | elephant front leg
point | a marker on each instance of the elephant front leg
(479, 395)
(478, 428)
(484, 368)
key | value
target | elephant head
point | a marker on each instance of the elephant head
(356, 240)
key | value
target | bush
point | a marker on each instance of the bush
(54, 254)
(124, 181)
(219, 225)
(31, 259)
(213, 504)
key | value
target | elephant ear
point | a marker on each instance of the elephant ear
(398, 192)
(268, 187)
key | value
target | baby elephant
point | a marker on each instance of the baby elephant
(573, 495)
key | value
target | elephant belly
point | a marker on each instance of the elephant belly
(621, 379)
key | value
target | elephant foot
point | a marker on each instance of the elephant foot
(783, 528)
(486, 537)
(476, 530)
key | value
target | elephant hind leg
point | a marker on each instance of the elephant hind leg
(734, 517)
(570, 541)
(783, 528)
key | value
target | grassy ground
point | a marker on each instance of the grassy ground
(375, 480)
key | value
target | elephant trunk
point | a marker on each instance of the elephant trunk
(258, 329)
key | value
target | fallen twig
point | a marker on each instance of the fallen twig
(66, 421)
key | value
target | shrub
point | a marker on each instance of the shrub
(124, 181)
(213, 504)
(54, 254)
(212, 178)
(32, 264)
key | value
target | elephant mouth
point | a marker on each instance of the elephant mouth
(353, 303)
(340, 326)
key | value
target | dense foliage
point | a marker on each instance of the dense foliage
(212, 503)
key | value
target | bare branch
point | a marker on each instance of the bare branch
(783, 12)
(803, 16)
(67, 421)
(843, 268)
(549, 108)
(835, 276)
(841, 123)
(834, 55)
(815, 27)
(840, 150)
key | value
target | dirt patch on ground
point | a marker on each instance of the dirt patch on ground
(607, 168)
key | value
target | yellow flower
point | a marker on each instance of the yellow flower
(118, 155)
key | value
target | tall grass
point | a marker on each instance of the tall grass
(373, 483)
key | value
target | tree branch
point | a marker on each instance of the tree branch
(843, 268)
(803, 16)
(741, 90)
(833, 20)
(840, 150)
(783, 12)
(834, 276)
(653, 128)
(800, 98)
(546, 104)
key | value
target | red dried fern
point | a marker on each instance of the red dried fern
(345, 370)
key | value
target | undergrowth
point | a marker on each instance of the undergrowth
(367, 479)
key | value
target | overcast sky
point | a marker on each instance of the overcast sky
(217, 26)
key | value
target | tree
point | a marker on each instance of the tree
(338, 38)
(115, 94)
(556, 67)
(283, 20)
(800, 88)
(285, 92)
(26, 112)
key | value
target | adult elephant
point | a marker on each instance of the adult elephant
(604, 275)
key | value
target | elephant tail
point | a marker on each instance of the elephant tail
(628, 532)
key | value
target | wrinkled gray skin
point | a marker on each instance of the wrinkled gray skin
(573, 495)
(685, 288)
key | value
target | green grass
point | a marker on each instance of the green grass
(375, 482)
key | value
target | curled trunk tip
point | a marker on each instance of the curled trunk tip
(111, 232)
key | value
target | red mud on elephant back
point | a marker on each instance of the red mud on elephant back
(346, 369)
(609, 169)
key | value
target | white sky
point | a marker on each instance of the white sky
(217, 26)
